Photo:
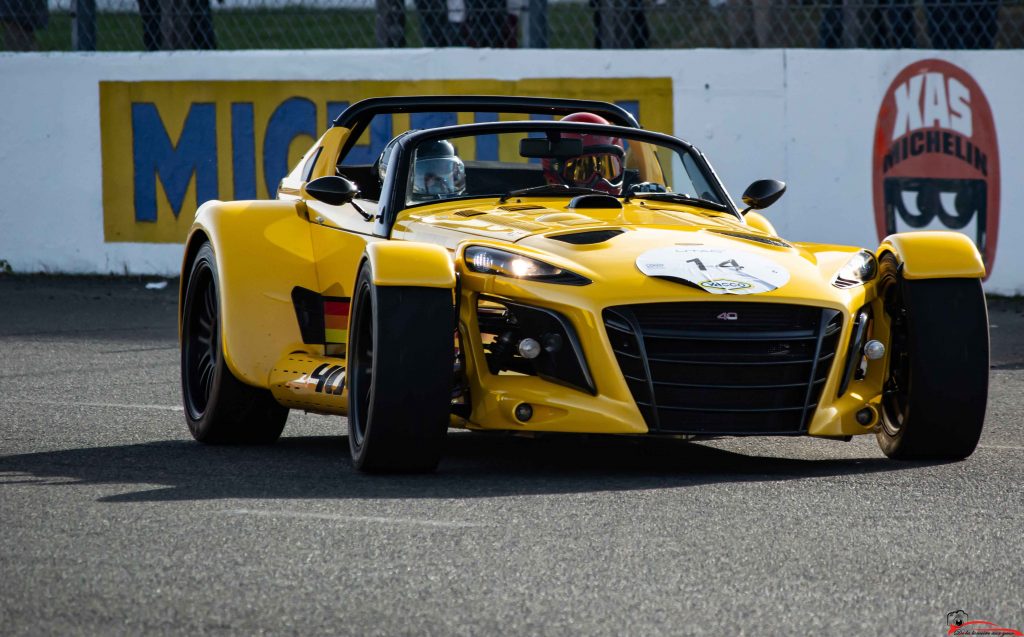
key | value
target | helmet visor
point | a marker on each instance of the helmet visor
(599, 162)
(439, 176)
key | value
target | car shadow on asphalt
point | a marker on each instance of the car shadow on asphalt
(475, 465)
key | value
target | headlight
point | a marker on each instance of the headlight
(493, 261)
(860, 269)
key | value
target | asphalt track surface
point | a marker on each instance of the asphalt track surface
(114, 522)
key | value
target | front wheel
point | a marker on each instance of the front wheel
(933, 405)
(219, 408)
(401, 357)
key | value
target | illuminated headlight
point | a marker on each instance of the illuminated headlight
(860, 269)
(493, 261)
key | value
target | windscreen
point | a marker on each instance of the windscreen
(486, 165)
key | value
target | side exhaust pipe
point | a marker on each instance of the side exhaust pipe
(311, 383)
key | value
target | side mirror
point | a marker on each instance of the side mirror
(763, 193)
(332, 190)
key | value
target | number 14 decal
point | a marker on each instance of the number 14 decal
(730, 264)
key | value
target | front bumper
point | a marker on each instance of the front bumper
(618, 406)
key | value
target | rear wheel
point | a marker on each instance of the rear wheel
(401, 356)
(933, 405)
(219, 408)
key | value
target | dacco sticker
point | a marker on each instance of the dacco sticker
(716, 270)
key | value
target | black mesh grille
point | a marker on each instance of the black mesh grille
(724, 368)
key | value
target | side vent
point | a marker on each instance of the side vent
(842, 283)
(309, 311)
(588, 237)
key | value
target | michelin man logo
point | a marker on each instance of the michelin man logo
(956, 618)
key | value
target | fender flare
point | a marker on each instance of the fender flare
(410, 263)
(263, 249)
(934, 254)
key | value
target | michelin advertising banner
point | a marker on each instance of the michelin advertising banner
(936, 156)
(169, 146)
(111, 154)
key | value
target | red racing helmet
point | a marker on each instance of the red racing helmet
(600, 166)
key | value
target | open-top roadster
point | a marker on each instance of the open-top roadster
(571, 275)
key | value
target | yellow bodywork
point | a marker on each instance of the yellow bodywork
(935, 254)
(265, 249)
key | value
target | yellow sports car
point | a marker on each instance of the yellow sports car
(556, 268)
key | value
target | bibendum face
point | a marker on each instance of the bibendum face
(922, 203)
(956, 618)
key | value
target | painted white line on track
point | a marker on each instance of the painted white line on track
(1015, 448)
(68, 403)
(352, 518)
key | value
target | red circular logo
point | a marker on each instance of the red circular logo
(935, 159)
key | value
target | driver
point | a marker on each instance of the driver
(438, 173)
(601, 165)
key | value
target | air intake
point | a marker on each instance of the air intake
(587, 237)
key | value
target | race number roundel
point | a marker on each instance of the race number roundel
(935, 159)
(715, 270)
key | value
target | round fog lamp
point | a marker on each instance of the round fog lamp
(874, 350)
(524, 412)
(529, 348)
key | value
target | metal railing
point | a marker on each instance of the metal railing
(128, 25)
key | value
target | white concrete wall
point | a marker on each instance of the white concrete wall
(805, 116)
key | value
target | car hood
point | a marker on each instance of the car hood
(609, 245)
(516, 221)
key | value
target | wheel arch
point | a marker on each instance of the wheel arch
(934, 255)
(410, 263)
(263, 250)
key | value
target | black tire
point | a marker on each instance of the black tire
(219, 408)
(401, 360)
(933, 406)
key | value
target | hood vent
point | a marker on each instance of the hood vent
(518, 224)
(589, 237)
(518, 207)
(468, 213)
(594, 201)
(756, 238)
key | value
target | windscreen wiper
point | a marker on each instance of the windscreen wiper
(549, 189)
(678, 197)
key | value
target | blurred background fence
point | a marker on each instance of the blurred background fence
(133, 25)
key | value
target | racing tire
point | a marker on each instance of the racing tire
(933, 402)
(401, 374)
(219, 408)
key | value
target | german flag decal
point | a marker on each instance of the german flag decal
(335, 320)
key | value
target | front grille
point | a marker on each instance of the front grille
(724, 368)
